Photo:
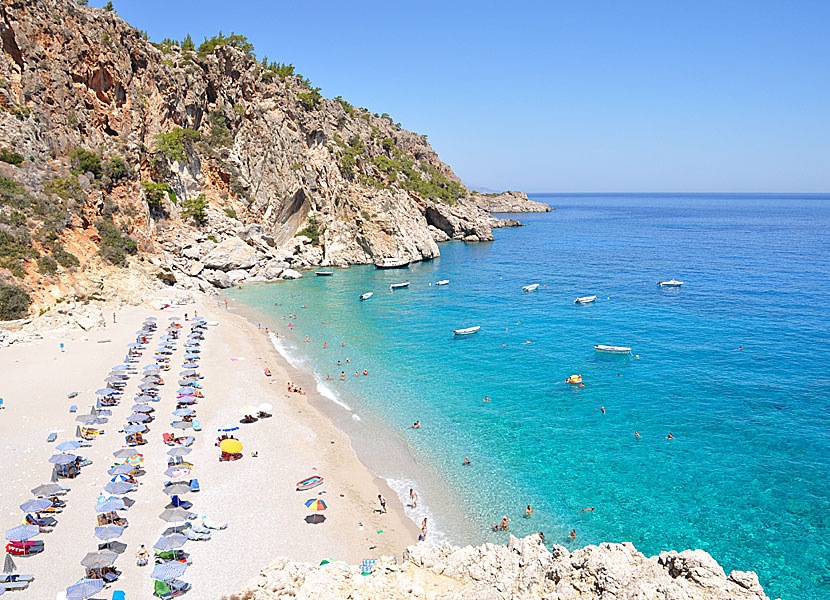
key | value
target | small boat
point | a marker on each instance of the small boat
(442, 282)
(670, 283)
(324, 273)
(467, 330)
(529, 288)
(396, 286)
(392, 263)
(585, 299)
(574, 379)
(612, 349)
(367, 295)
(311, 482)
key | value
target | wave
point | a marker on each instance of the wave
(293, 360)
(401, 487)
(329, 393)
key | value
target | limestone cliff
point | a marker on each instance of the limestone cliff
(182, 148)
(507, 202)
(522, 570)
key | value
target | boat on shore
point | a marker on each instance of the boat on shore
(529, 288)
(585, 299)
(397, 286)
(310, 482)
(367, 295)
(467, 330)
(442, 282)
(612, 349)
(392, 263)
(670, 283)
(324, 273)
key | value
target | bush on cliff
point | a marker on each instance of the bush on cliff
(47, 265)
(114, 245)
(84, 161)
(240, 42)
(13, 158)
(64, 257)
(14, 302)
(196, 208)
(154, 193)
(174, 144)
(312, 231)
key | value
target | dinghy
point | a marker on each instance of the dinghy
(585, 299)
(397, 286)
(442, 282)
(612, 349)
(311, 482)
(324, 273)
(367, 295)
(466, 330)
(529, 288)
(670, 283)
(392, 263)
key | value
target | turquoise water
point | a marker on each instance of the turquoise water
(747, 474)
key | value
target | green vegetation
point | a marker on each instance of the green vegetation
(109, 7)
(348, 160)
(231, 213)
(115, 245)
(213, 239)
(425, 180)
(13, 158)
(270, 70)
(312, 231)
(220, 134)
(196, 208)
(63, 257)
(310, 99)
(84, 161)
(240, 42)
(67, 188)
(175, 143)
(346, 106)
(154, 193)
(187, 43)
(116, 169)
(14, 302)
(47, 265)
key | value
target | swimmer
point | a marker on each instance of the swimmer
(504, 524)
(328, 377)
(584, 510)
(306, 338)
(528, 511)
(342, 344)
(602, 408)
(495, 527)
(416, 425)
(347, 360)
(670, 437)
(486, 399)
(528, 342)
(342, 375)
(572, 535)
(636, 434)
(338, 362)
(325, 345)
(356, 374)
(365, 371)
(467, 462)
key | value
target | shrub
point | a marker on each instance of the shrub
(115, 245)
(348, 160)
(387, 144)
(310, 99)
(64, 257)
(175, 143)
(231, 213)
(84, 161)
(66, 188)
(14, 302)
(13, 158)
(109, 7)
(312, 231)
(187, 43)
(154, 192)
(116, 169)
(47, 265)
(213, 239)
(240, 42)
(220, 134)
(196, 208)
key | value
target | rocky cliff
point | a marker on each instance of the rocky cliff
(522, 570)
(507, 202)
(204, 158)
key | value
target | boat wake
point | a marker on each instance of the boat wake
(401, 487)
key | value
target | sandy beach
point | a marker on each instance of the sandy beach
(255, 496)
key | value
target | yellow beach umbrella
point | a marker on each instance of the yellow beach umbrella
(231, 446)
(315, 504)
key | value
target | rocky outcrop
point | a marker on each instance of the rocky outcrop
(507, 202)
(522, 570)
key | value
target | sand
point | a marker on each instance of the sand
(255, 496)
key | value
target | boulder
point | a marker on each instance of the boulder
(218, 278)
(272, 269)
(237, 275)
(191, 252)
(230, 254)
(195, 268)
(290, 274)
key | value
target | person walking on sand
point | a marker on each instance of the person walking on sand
(142, 556)
(424, 530)
(382, 501)
(413, 497)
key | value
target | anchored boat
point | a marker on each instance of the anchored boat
(670, 283)
(612, 349)
(311, 482)
(392, 263)
(324, 273)
(467, 330)
(367, 295)
(397, 286)
(529, 288)
(585, 299)
(442, 282)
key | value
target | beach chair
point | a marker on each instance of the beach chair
(196, 536)
(210, 524)
(118, 595)
(1, 403)
(73, 408)
(196, 425)
(7, 586)
(15, 577)
(176, 502)
(16, 548)
(194, 485)
(368, 566)
(52, 437)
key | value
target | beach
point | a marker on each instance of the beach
(255, 496)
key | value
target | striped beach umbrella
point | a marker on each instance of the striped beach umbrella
(84, 589)
(168, 571)
(109, 504)
(21, 533)
(135, 460)
(315, 504)
(36, 505)
(170, 542)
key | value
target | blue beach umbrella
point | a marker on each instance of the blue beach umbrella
(118, 487)
(186, 391)
(121, 469)
(145, 398)
(85, 588)
(183, 412)
(137, 418)
(106, 392)
(142, 408)
(68, 446)
(135, 428)
(170, 542)
(62, 459)
(125, 453)
(108, 532)
(109, 505)
(21, 533)
(229, 428)
(35, 505)
(120, 477)
(135, 345)
(168, 571)
(121, 367)
(151, 368)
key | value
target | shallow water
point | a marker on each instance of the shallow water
(746, 475)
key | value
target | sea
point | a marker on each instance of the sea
(713, 433)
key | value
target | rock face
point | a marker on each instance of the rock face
(522, 570)
(262, 149)
(507, 202)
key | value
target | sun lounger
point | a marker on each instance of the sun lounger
(119, 595)
(172, 555)
(52, 437)
(194, 485)
(196, 425)
(176, 502)
(13, 585)
(210, 524)
(196, 536)
(14, 577)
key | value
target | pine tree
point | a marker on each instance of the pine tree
(187, 43)
(109, 7)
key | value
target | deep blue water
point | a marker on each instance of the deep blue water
(747, 475)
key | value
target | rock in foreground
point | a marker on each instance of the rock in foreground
(522, 570)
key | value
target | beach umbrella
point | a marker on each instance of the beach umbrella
(231, 446)
(135, 345)
(188, 373)
(186, 399)
(103, 412)
(183, 412)
(137, 418)
(248, 410)
(135, 428)
(170, 542)
(121, 367)
(177, 471)
(146, 398)
(180, 487)
(54, 478)
(35, 505)
(118, 487)
(106, 391)
(125, 453)
(265, 407)
(84, 589)
(108, 532)
(120, 477)
(48, 489)
(142, 408)
(135, 460)
(8, 565)
(188, 383)
(179, 451)
(99, 560)
(151, 377)
(121, 470)
(90, 419)
(192, 348)
(185, 391)
(62, 459)
(109, 504)
(181, 424)
(68, 446)
(144, 387)
(168, 571)
(175, 515)
(21, 533)
(315, 505)
(151, 368)
(229, 428)
(315, 519)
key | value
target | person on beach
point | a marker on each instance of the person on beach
(226, 305)
(467, 462)
(416, 425)
(382, 501)
(424, 530)
(142, 556)
(413, 497)
(528, 511)
(541, 536)
(505, 526)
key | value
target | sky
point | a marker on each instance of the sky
(556, 96)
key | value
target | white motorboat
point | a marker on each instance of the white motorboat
(397, 286)
(367, 295)
(585, 299)
(392, 263)
(612, 349)
(466, 330)
(324, 273)
(670, 283)
(529, 288)
(442, 282)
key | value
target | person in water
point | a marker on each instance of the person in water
(637, 434)
(486, 399)
(342, 375)
(584, 510)
(504, 524)
(424, 530)
(467, 462)
(416, 425)
(528, 511)
(572, 535)
(670, 437)
(365, 371)
(602, 408)
(413, 497)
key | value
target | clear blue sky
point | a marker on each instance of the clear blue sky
(564, 96)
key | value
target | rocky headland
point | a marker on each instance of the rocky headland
(524, 569)
(507, 202)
